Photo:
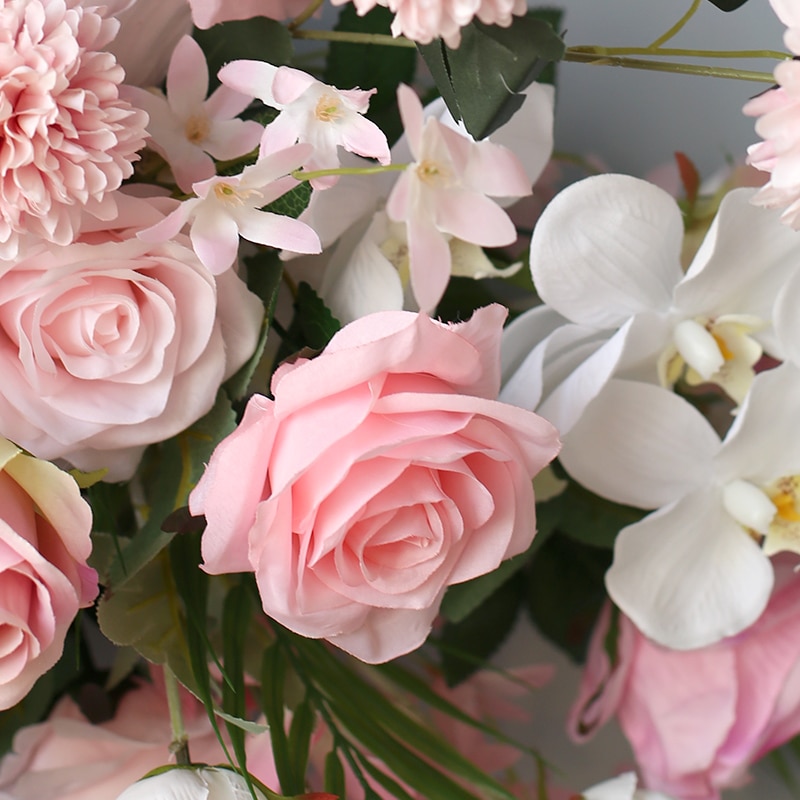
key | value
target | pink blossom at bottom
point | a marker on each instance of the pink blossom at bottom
(697, 719)
(778, 111)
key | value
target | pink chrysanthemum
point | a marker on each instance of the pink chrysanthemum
(67, 138)
(779, 154)
(423, 21)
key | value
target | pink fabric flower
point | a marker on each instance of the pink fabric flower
(187, 129)
(111, 343)
(206, 13)
(779, 154)
(148, 32)
(383, 472)
(696, 719)
(44, 579)
(425, 21)
(229, 207)
(445, 193)
(70, 758)
(310, 111)
(68, 140)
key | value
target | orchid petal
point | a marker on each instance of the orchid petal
(289, 84)
(275, 230)
(475, 218)
(253, 78)
(607, 247)
(411, 114)
(215, 238)
(429, 263)
(640, 445)
(187, 78)
(688, 575)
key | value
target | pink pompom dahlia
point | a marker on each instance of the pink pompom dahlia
(67, 140)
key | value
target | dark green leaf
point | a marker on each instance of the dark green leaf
(264, 272)
(334, 774)
(293, 203)
(482, 632)
(481, 81)
(593, 520)
(300, 743)
(273, 684)
(566, 591)
(728, 5)
(368, 66)
(260, 39)
(313, 322)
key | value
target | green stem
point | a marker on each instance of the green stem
(180, 743)
(356, 38)
(677, 26)
(676, 51)
(306, 14)
(300, 175)
(659, 66)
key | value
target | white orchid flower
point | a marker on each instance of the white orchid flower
(605, 258)
(197, 783)
(698, 568)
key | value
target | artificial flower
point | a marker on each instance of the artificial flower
(424, 22)
(382, 472)
(698, 719)
(698, 569)
(111, 343)
(617, 301)
(206, 13)
(148, 32)
(186, 128)
(229, 207)
(68, 140)
(69, 757)
(44, 540)
(623, 787)
(192, 783)
(445, 193)
(310, 111)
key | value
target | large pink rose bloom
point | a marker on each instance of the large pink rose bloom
(383, 471)
(697, 719)
(70, 758)
(44, 579)
(111, 343)
(67, 139)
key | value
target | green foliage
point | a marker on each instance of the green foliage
(481, 81)
(293, 203)
(273, 684)
(260, 39)
(481, 632)
(264, 273)
(369, 66)
(566, 591)
(313, 325)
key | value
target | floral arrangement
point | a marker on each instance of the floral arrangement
(305, 402)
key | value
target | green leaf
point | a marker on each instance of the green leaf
(334, 775)
(170, 471)
(293, 203)
(300, 732)
(481, 632)
(481, 80)
(313, 322)
(259, 39)
(368, 66)
(273, 684)
(594, 520)
(264, 273)
(566, 591)
(728, 5)
(387, 731)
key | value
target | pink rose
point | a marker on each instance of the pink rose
(44, 542)
(70, 758)
(383, 472)
(111, 343)
(696, 719)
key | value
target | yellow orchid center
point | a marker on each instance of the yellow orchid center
(234, 196)
(197, 128)
(328, 109)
